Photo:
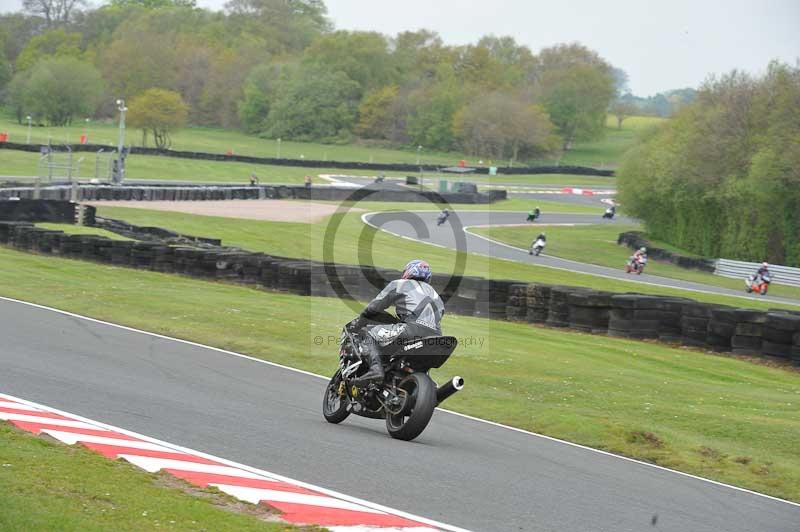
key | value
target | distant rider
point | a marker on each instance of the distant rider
(640, 256)
(541, 237)
(762, 271)
(443, 216)
(533, 214)
(611, 211)
(418, 307)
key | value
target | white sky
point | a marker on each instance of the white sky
(661, 45)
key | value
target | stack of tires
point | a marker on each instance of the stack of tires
(295, 277)
(47, 241)
(669, 319)
(121, 252)
(589, 311)
(251, 268)
(749, 327)
(796, 349)
(492, 299)
(143, 255)
(7, 231)
(538, 303)
(694, 323)
(634, 316)
(558, 309)
(517, 308)
(721, 328)
(163, 259)
(778, 334)
(72, 246)
(97, 249)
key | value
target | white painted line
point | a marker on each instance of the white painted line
(71, 438)
(256, 495)
(18, 406)
(153, 465)
(323, 377)
(45, 420)
(260, 474)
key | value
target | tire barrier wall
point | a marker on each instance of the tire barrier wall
(636, 240)
(29, 210)
(307, 163)
(667, 319)
(216, 193)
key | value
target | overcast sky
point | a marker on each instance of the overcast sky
(660, 44)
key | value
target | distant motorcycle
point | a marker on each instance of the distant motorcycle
(537, 247)
(758, 283)
(636, 265)
(609, 214)
(442, 218)
(532, 216)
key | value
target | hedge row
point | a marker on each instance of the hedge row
(211, 193)
(636, 240)
(673, 320)
(308, 163)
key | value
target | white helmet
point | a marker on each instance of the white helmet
(765, 265)
(643, 249)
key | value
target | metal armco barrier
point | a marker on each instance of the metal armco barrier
(740, 270)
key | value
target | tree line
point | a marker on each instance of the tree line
(722, 178)
(277, 68)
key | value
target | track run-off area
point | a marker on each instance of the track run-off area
(462, 471)
(421, 227)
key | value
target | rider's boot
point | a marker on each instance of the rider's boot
(375, 372)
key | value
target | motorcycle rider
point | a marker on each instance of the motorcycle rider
(542, 236)
(418, 307)
(443, 216)
(533, 214)
(763, 270)
(640, 257)
(611, 211)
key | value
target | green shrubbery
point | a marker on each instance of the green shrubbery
(722, 179)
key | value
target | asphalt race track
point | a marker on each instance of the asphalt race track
(460, 471)
(421, 226)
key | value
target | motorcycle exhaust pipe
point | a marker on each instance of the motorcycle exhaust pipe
(448, 389)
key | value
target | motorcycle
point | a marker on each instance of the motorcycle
(532, 216)
(609, 214)
(636, 265)
(537, 247)
(442, 219)
(758, 283)
(407, 396)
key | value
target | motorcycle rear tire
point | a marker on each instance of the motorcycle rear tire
(333, 413)
(421, 402)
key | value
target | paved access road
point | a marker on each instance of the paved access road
(459, 471)
(421, 225)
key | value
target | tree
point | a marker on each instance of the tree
(363, 56)
(54, 12)
(622, 108)
(377, 119)
(503, 126)
(576, 86)
(157, 111)
(313, 104)
(56, 42)
(56, 90)
(288, 26)
(5, 71)
(154, 4)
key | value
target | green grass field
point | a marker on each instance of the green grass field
(50, 486)
(716, 416)
(309, 240)
(602, 153)
(597, 244)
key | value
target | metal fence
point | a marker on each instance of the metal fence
(740, 270)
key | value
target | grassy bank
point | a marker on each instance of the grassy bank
(50, 486)
(352, 238)
(605, 152)
(715, 416)
(597, 244)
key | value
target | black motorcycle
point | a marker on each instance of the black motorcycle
(407, 396)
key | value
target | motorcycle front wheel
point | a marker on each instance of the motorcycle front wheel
(334, 405)
(418, 409)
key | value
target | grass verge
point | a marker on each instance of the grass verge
(353, 238)
(715, 416)
(597, 244)
(50, 486)
(604, 152)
